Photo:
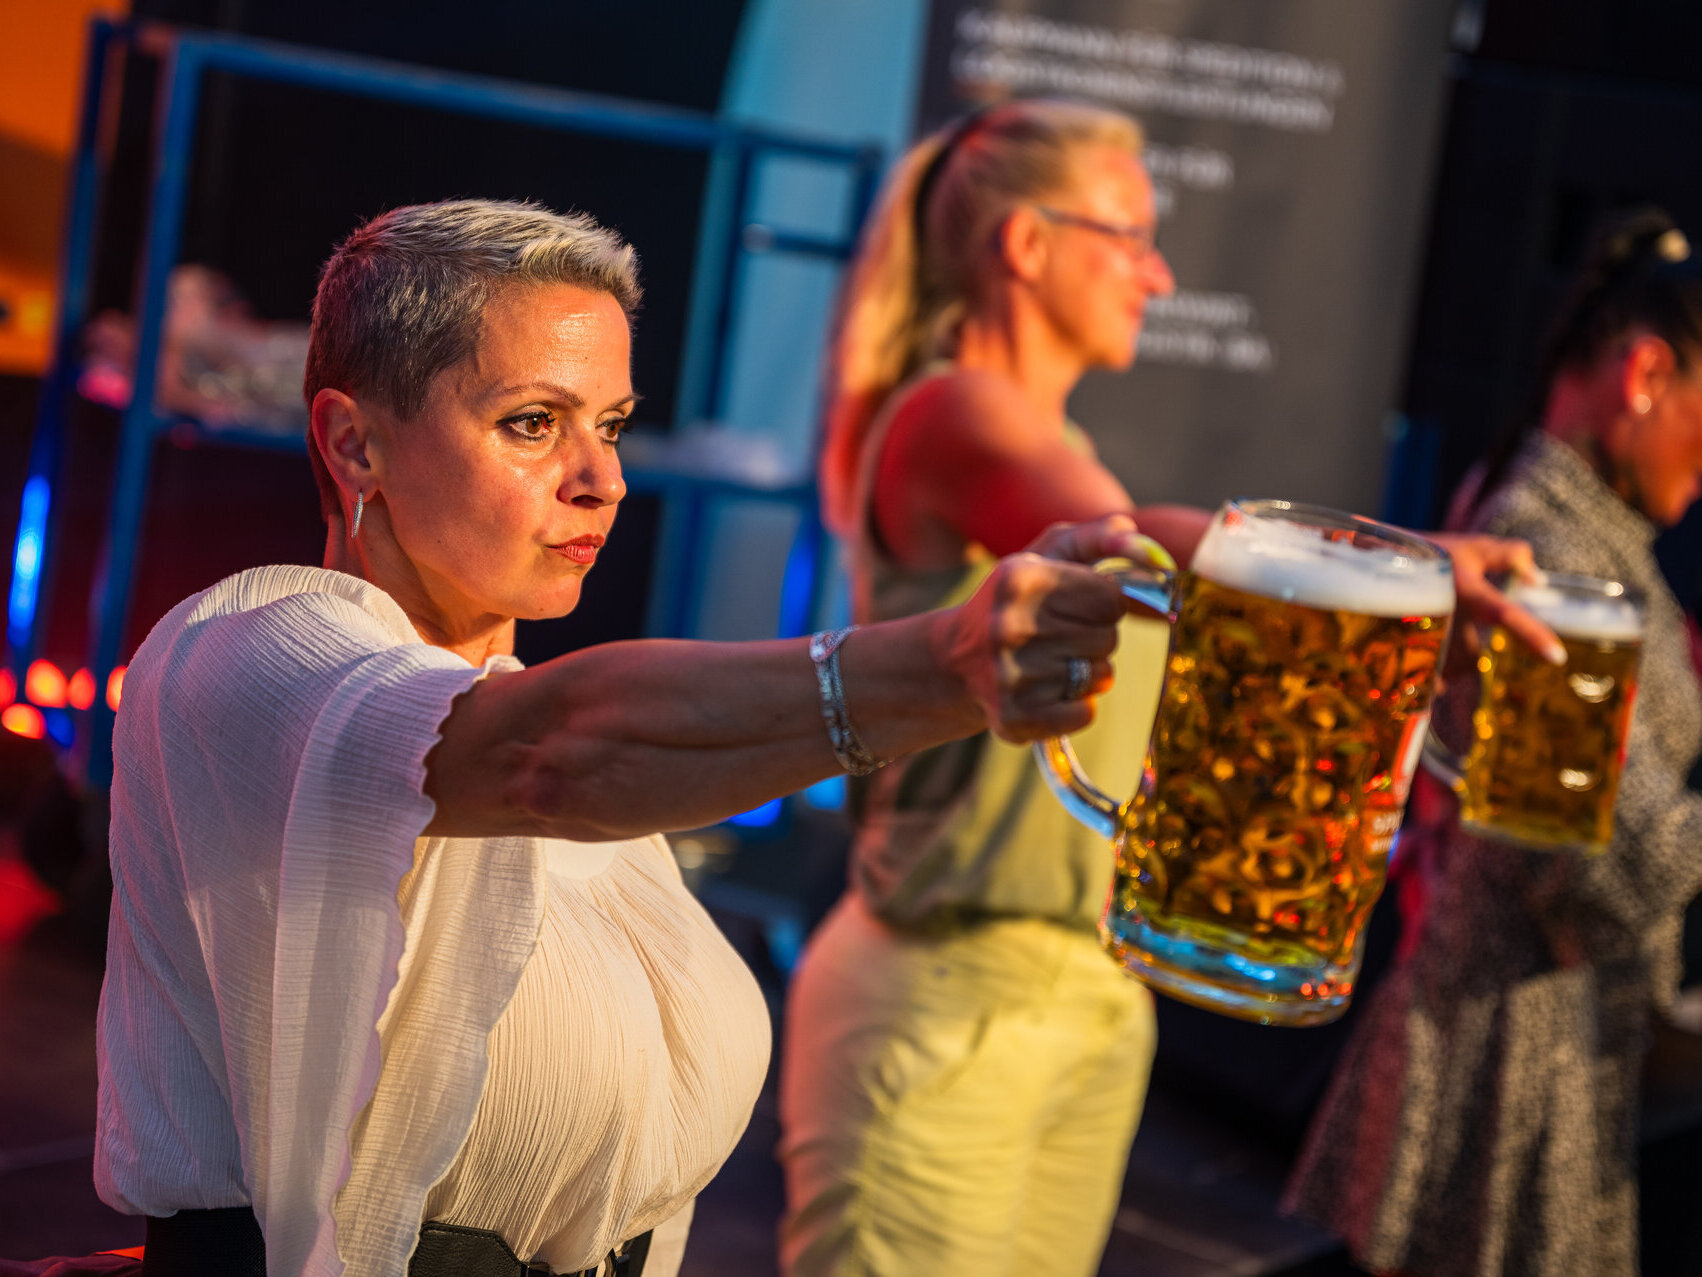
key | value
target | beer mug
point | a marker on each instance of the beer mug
(1548, 741)
(1303, 651)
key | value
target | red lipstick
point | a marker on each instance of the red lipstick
(581, 549)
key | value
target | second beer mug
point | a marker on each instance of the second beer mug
(1302, 661)
(1548, 740)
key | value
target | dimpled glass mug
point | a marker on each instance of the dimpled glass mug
(1548, 741)
(1303, 653)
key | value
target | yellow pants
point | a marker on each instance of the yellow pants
(957, 1105)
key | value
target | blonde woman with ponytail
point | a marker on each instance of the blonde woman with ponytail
(1484, 1119)
(963, 1067)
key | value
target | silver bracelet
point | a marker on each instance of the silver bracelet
(853, 756)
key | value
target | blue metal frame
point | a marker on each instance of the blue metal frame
(186, 59)
(33, 540)
(1410, 486)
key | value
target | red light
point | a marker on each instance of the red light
(25, 720)
(81, 690)
(115, 687)
(8, 687)
(24, 901)
(44, 684)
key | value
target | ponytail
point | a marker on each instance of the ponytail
(879, 336)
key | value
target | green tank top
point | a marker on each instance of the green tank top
(969, 830)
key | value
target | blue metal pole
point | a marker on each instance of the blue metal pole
(720, 377)
(803, 596)
(869, 164)
(183, 69)
(762, 238)
(702, 513)
(679, 531)
(717, 222)
(32, 549)
(671, 610)
(496, 98)
(800, 584)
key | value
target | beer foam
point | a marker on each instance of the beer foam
(1601, 617)
(1296, 564)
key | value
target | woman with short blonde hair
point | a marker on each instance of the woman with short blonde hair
(399, 975)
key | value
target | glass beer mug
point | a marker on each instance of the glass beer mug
(1303, 652)
(1548, 741)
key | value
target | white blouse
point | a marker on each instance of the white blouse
(312, 1010)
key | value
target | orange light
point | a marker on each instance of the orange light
(25, 720)
(115, 687)
(44, 684)
(8, 688)
(81, 690)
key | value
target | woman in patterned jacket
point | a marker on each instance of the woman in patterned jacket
(1484, 1120)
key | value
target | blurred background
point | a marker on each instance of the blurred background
(1367, 210)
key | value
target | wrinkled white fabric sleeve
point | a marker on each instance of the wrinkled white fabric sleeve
(355, 815)
(289, 741)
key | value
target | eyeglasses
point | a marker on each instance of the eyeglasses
(1139, 238)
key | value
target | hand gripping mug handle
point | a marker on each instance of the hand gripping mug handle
(1152, 584)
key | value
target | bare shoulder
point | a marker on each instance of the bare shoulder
(962, 414)
(969, 459)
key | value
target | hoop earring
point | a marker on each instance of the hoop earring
(1641, 404)
(360, 504)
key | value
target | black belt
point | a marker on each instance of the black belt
(227, 1243)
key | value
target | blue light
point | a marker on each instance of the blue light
(60, 729)
(797, 583)
(826, 795)
(26, 560)
(757, 817)
(785, 937)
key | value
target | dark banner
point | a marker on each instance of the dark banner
(1290, 143)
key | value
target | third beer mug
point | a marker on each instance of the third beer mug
(1302, 661)
(1548, 740)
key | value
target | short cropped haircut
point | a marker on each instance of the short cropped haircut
(403, 298)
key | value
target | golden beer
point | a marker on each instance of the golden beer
(1548, 740)
(1303, 654)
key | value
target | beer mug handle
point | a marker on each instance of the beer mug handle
(1153, 585)
(1442, 762)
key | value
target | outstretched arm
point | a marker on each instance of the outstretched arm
(630, 738)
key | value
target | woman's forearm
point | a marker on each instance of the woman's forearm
(631, 738)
